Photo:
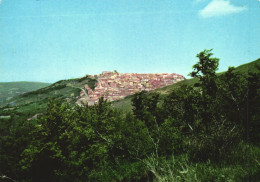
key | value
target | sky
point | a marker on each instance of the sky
(51, 40)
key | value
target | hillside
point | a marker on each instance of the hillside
(245, 68)
(249, 67)
(112, 85)
(36, 101)
(8, 90)
(71, 90)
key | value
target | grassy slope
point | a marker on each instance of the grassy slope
(245, 68)
(9, 90)
(249, 67)
(36, 101)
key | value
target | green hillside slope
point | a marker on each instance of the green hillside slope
(249, 67)
(245, 68)
(8, 90)
(36, 101)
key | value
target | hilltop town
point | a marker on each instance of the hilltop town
(113, 85)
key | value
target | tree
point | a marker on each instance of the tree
(139, 105)
(205, 70)
(253, 121)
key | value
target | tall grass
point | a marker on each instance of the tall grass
(244, 166)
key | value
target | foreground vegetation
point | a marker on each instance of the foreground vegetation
(206, 131)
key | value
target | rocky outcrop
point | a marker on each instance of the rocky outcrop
(113, 85)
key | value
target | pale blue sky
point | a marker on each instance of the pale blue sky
(50, 40)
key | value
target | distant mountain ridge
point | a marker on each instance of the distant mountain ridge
(8, 90)
(36, 101)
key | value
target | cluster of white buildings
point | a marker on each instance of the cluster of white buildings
(113, 85)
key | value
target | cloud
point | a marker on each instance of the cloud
(220, 8)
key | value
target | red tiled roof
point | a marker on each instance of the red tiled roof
(113, 85)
